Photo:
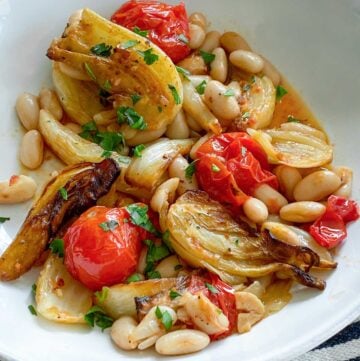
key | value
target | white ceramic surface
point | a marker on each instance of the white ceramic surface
(316, 46)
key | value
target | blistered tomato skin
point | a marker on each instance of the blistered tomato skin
(98, 257)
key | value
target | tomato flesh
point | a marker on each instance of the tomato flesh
(167, 25)
(98, 257)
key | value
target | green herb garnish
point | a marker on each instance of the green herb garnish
(166, 239)
(148, 56)
(110, 140)
(140, 32)
(292, 119)
(208, 57)
(109, 225)
(4, 219)
(57, 246)
(211, 288)
(175, 94)
(136, 277)
(138, 150)
(97, 316)
(129, 44)
(245, 116)
(229, 93)
(190, 170)
(130, 116)
(156, 253)
(33, 289)
(139, 217)
(106, 154)
(201, 87)
(101, 50)
(107, 85)
(135, 98)
(165, 318)
(90, 71)
(64, 194)
(215, 168)
(184, 72)
(280, 92)
(153, 275)
(173, 294)
(32, 310)
(102, 295)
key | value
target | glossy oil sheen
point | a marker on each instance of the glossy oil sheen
(315, 46)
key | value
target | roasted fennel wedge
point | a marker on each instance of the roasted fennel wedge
(135, 66)
(84, 184)
(205, 235)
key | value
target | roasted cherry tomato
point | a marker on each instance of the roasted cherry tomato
(102, 247)
(231, 166)
(220, 294)
(347, 209)
(167, 25)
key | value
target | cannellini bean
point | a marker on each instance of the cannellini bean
(224, 107)
(142, 261)
(145, 136)
(271, 197)
(193, 124)
(150, 325)
(255, 210)
(288, 178)
(247, 60)
(232, 41)
(50, 102)
(199, 143)
(271, 72)
(195, 64)
(28, 110)
(148, 342)
(219, 66)
(177, 169)
(346, 176)
(198, 79)
(198, 19)
(182, 342)
(316, 186)
(178, 129)
(120, 332)
(197, 36)
(235, 86)
(32, 149)
(76, 128)
(16, 190)
(72, 72)
(251, 310)
(212, 41)
(169, 267)
(302, 212)
(105, 117)
(204, 314)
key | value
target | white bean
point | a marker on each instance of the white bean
(178, 129)
(232, 41)
(317, 186)
(120, 332)
(346, 176)
(32, 149)
(195, 64)
(302, 212)
(182, 342)
(255, 210)
(235, 86)
(199, 143)
(247, 60)
(197, 36)
(72, 72)
(212, 41)
(193, 124)
(50, 102)
(145, 136)
(288, 178)
(198, 19)
(16, 190)
(224, 107)
(177, 169)
(169, 267)
(271, 197)
(76, 128)
(28, 110)
(148, 342)
(271, 72)
(219, 66)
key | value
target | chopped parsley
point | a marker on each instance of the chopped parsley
(165, 318)
(175, 94)
(130, 116)
(229, 93)
(109, 225)
(57, 246)
(183, 38)
(211, 288)
(138, 150)
(140, 32)
(33, 289)
(156, 253)
(190, 170)
(89, 131)
(97, 316)
(32, 310)
(4, 219)
(245, 116)
(184, 72)
(166, 239)
(292, 119)
(63, 193)
(139, 217)
(136, 277)
(130, 44)
(102, 49)
(159, 109)
(153, 275)
(135, 98)
(90, 71)
(208, 57)
(215, 168)
(101, 296)
(107, 85)
(148, 56)
(280, 92)
(173, 294)
(110, 140)
(106, 154)
(201, 87)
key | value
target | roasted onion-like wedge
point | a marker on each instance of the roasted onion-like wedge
(205, 235)
(128, 70)
(299, 147)
(84, 184)
(59, 297)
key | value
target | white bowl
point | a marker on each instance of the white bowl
(315, 44)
